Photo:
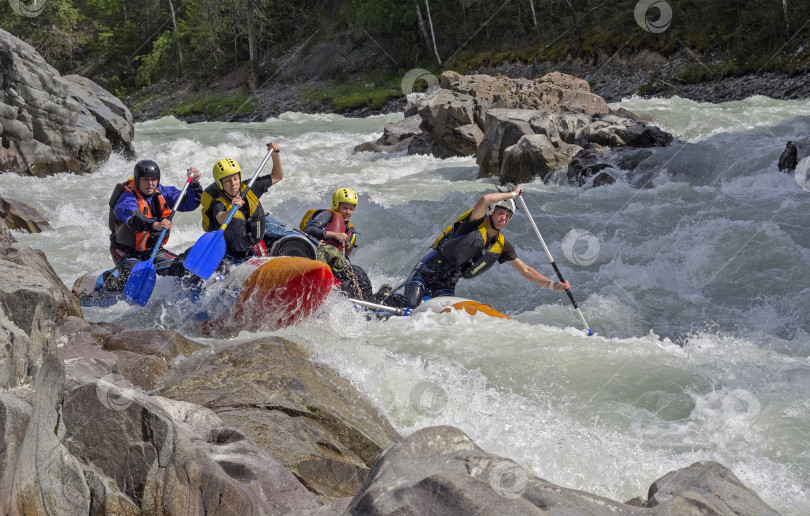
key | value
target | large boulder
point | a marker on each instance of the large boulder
(50, 123)
(455, 115)
(522, 144)
(554, 92)
(440, 470)
(448, 117)
(19, 215)
(32, 299)
(549, 141)
(518, 129)
(309, 418)
(706, 486)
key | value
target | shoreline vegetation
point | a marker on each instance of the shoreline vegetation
(240, 60)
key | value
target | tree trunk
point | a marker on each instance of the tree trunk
(253, 46)
(787, 22)
(433, 35)
(534, 15)
(422, 24)
(177, 36)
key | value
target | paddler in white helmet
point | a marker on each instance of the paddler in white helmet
(467, 249)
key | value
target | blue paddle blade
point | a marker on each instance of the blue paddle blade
(141, 283)
(207, 253)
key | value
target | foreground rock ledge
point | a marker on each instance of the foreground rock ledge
(440, 470)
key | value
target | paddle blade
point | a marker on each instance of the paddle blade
(141, 283)
(204, 257)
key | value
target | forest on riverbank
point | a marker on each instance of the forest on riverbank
(128, 45)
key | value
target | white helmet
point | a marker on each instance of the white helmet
(507, 204)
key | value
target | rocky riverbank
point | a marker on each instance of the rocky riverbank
(99, 419)
(612, 77)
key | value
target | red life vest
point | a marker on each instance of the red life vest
(339, 225)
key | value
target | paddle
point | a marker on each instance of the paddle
(553, 264)
(375, 306)
(208, 251)
(141, 281)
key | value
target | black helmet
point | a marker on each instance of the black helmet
(146, 168)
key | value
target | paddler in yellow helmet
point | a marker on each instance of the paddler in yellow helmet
(467, 249)
(243, 235)
(337, 239)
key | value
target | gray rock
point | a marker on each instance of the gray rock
(395, 132)
(794, 152)
(706, 488)
(16, 407)
(53, 124)
(311, 420)
(447, 117)
(19, 215)
(617, 131)
(32, 298)
(637, 166)
(169, 457)
(45, 478)
(504, 128)
(534, 156)
(440, 470)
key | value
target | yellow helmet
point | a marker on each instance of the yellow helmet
(224, 168)
(343, 195)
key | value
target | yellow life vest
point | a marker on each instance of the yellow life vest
(212, 193)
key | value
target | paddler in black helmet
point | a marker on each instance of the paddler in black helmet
(139, 211)
(467, 249)
(243, 235)
(337, 239)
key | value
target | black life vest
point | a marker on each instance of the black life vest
(471, 254)
(157, 209)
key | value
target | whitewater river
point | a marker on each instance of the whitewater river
(697, 287)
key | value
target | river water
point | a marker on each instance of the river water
(696, 286)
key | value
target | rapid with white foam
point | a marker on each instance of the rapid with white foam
(696, 285)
